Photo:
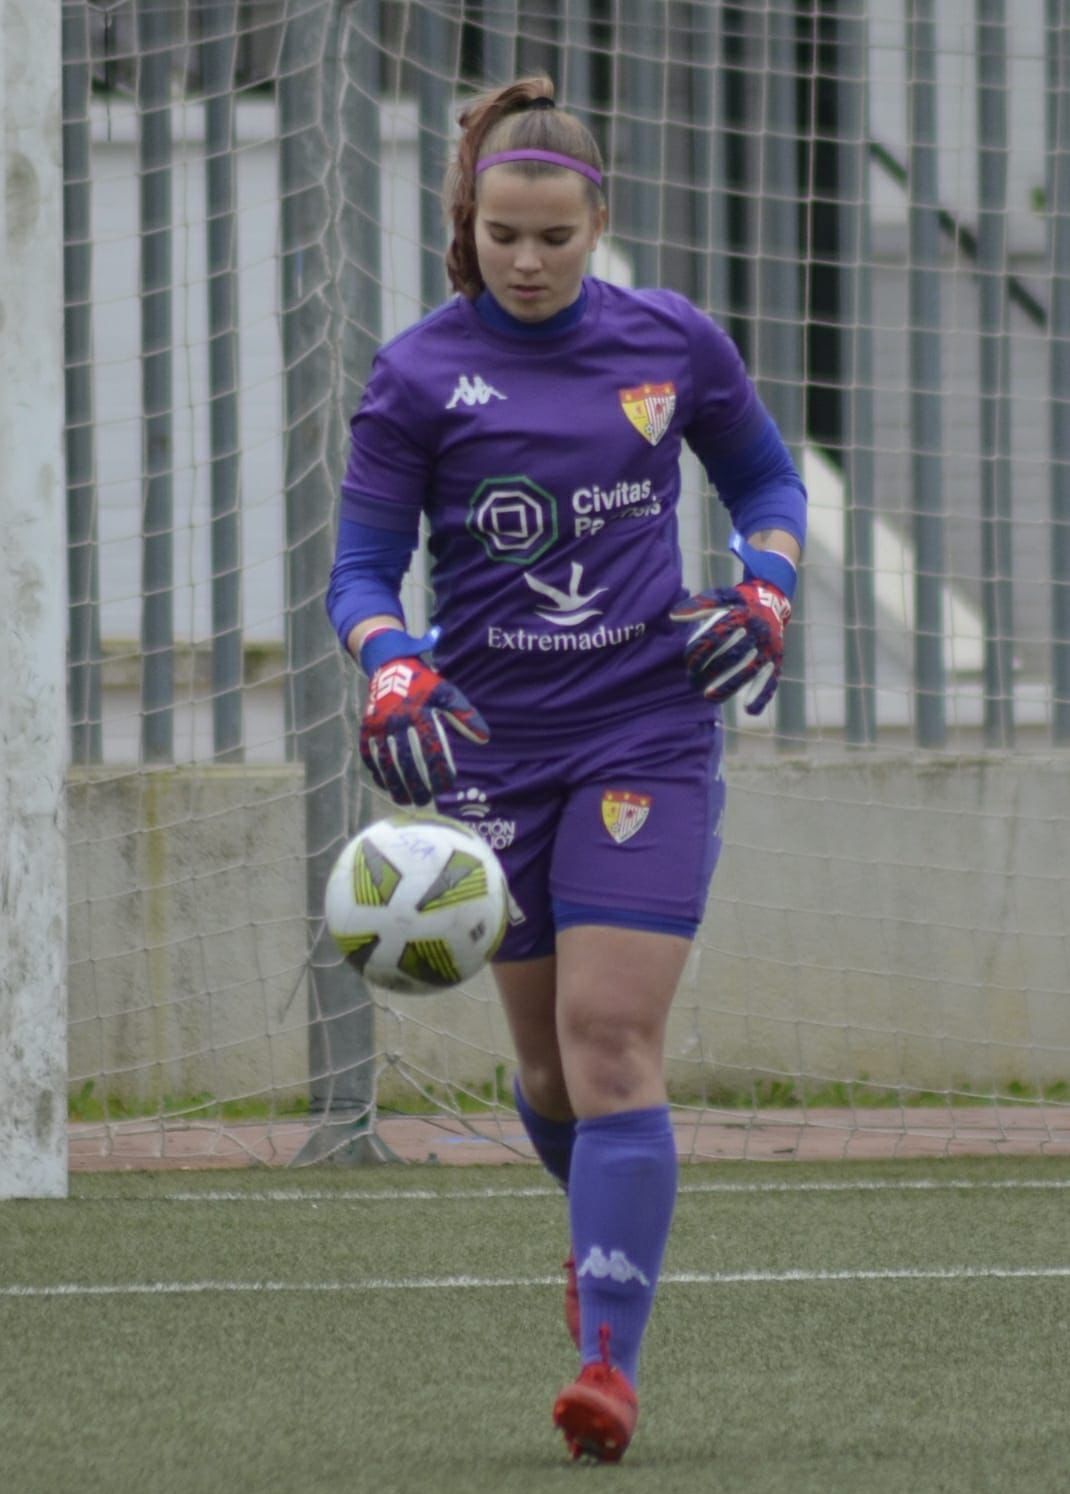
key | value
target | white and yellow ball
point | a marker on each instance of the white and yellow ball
(417, 903)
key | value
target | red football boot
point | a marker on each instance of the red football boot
(598, 1411)
(572, 1299)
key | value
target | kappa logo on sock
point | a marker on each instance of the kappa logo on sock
(616, 1266)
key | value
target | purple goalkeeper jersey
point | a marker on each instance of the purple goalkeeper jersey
(548, 468)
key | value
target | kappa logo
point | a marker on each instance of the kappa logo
(624, 813)
(475, 391)
(615, 1266)
(566, 608)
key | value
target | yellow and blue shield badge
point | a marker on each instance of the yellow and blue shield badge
(650, 409)
(624, 813)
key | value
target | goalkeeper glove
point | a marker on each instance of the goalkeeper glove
(403, 740)
(737, 640)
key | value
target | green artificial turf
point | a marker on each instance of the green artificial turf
(360, 1376)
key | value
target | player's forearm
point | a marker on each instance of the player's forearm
(368, 625)
(777, 540)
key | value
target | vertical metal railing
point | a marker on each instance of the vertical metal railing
(856, 322)
(709, 229)
(155, 38)
(576, 81)
(537, 40)
(633, 83)
(218, 53)
(738, 61)
(498, 23)
(925, 377)
(1058, 176)
(778, 340)
(434, 44)
(359, 267)
(709, 233)
(340, 1013)
(642, 100)
(83, 559)
(997, 589)
(360, 211)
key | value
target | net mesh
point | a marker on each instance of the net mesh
(872, 200)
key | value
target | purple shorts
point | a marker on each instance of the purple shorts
(620, 828)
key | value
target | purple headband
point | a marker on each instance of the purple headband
(551, 158)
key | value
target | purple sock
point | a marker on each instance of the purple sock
(621, 1197)
(552, 1140)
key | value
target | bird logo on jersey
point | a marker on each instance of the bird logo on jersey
(624, 813)
(566, 608)
(650, 409)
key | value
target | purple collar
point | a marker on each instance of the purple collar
(492, 315)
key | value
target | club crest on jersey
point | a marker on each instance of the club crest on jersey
(624, 814)
(650, 409)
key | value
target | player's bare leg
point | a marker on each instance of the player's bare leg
(528, 990)
(588, 1025)
(615, 987)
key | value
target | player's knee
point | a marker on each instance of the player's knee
(611, 1058)
(612, 1034)
(543, 1085)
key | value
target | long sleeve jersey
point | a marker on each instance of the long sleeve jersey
(547, 462)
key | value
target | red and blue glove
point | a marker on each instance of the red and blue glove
(403, 740)
(736, 640)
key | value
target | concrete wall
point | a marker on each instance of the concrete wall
(902, 922)
(872, 920)
(187, 932)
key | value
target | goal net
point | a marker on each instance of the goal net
(875, 201)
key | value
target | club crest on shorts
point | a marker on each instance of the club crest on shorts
(624, 813)
(650, 408)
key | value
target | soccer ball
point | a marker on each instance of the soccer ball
(417, 903)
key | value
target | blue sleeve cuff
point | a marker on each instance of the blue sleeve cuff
(765, 565)
(393, 643)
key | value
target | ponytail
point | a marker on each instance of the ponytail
(520, 115)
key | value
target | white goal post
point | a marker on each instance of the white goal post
(33, 882)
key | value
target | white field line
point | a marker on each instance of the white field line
(429, 1195)
(498, 1283)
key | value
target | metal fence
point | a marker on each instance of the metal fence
(743, 169)
(875, 201)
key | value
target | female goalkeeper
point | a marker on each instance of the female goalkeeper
(568, 690)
